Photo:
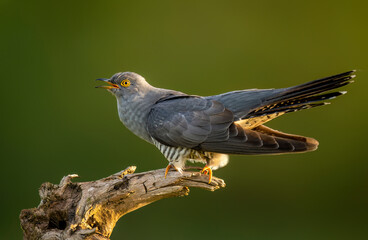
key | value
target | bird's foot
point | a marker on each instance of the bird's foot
(172, 166)
(207, 170)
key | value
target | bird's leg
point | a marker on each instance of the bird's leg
(172, 166)
(207, 170)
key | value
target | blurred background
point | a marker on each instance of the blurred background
(54, 122)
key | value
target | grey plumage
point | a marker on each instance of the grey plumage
(205, 129)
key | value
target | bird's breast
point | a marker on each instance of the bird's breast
(134, 117)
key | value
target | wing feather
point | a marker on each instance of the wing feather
(188, 121)
(204, 124)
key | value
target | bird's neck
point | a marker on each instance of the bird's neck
(133, 113)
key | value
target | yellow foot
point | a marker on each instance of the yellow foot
(207, 170)
(172, 166)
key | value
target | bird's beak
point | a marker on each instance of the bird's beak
(106, 80)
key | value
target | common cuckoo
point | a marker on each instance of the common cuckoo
(206, 129)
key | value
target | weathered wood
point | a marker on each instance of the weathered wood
(90, 210)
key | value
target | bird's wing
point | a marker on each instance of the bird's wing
(203, 124)
(188, 121)
(232, 122)
(260, 140)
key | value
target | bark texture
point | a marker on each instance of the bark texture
(90, 210)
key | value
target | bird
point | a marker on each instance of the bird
(208, 129)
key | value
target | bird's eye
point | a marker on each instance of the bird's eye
(125, 83)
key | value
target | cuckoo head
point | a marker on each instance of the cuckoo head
(125, 84)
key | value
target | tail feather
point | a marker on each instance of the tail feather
(314, 87)
(296, 94)
(346, 76)
(302, 103)
(248, 136)
(286, 109)
(303, 96)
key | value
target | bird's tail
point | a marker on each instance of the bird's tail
(304, 96)
(249, 136)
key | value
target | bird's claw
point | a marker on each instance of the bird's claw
(207, 170)
(172, 166)
(167, 169)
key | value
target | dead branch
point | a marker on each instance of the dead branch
(90, 210)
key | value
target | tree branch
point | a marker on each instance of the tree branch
(90, 210)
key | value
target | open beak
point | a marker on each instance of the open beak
(106, 80)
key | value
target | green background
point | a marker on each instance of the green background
(54, 122)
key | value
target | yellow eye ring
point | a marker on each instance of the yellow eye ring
(125, 83)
